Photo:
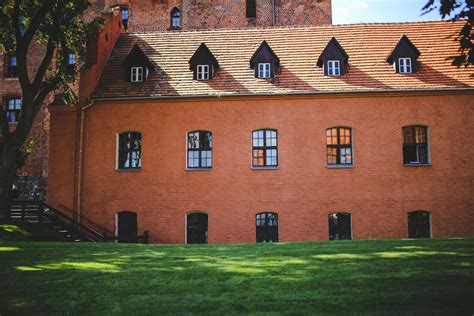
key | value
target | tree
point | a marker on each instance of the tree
(457, 10)
(59, 29)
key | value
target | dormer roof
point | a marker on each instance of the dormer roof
(332, 51)
(203, 56)
(264, 54)
(136, 57)
(404, 48)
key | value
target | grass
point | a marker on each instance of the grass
(342, 277)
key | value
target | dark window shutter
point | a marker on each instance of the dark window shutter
(195, 72)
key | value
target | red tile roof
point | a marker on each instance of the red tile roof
(367, 45)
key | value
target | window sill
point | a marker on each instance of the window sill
(340, 166)
(198, 169)
(417, 165)
(129, 170)
(265, 168)
(10, 78)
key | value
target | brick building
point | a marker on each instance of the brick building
(157, 15)
(270, 134)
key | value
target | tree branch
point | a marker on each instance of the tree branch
(44, 66)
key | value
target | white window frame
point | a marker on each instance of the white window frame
(405, 66)
(136, 74)
(264, 70)
(203, 72)
(334, 68)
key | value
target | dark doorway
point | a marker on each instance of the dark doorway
(196, 228)
(340, 226)
(419, 224)
(127, 227)
(267, 227)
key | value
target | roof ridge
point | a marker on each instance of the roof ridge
(283, 27)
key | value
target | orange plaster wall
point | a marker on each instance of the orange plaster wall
(378, 191)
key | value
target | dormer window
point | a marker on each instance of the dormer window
(404, 65)
(137, 65)
(203, 64)
(265, 62)
(264, 70)
(203, 72)
(333, 59)
(175, 19)
(136, 74)
(404, 56)
(334, 68)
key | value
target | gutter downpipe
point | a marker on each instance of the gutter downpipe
(273, 13)
(79, 164)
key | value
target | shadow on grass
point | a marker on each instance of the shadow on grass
(390, 276)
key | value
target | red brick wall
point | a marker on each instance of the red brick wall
(378, 191)
(154, 15)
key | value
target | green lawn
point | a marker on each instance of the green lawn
(355, 277)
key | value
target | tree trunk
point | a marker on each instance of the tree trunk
(7, 175)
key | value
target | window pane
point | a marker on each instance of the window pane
(420, 135)
(258, 155)
(408, 135)
(332, 155)
(193, 140)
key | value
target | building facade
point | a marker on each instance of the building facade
(271, 134)
(150, 16)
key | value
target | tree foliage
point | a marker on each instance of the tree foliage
(458, 10)
(58, 28)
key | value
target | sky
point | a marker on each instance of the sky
(370, 11)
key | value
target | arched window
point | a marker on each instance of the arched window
(264, 148)
(126, 227)
(125, 16)
(415, 145)
(339, 146)
(199, 149)
(340, 226)
(419, 224)
(267, 227)
(175, 19)
(129, 150)
(13, 109)
(251, 9)
(196, 228)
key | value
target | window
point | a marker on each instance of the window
(419, 224)
(10, 66)
(13, 106)
(267, 227)
(21, 21)
(264, 70)
(340, 226)
(339, 146)
(415, 145)
(199, 149)
(130, 150)
(71, 59)
(136, 74)
(175, 18)
(404, 65)
(251, 9)
(334, 68)
(203, 72)
(264, 148)
(125, 15)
